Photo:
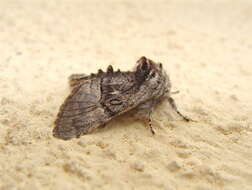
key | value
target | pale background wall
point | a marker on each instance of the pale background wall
(205, 47)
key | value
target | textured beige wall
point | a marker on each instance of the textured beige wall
(205, 47)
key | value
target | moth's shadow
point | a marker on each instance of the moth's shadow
(124, 121)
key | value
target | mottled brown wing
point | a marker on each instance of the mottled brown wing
(116, 91)
(81, 111)
(121, 92)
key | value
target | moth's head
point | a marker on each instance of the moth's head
(153, 75)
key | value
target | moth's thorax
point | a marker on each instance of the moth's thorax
(153, 77)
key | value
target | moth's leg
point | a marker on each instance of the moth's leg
(150, 123)
(75, 79)
(143, 112)
(173, 105)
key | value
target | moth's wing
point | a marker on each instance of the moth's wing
(81, 111)
(121, 93)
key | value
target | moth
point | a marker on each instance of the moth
(97, 98)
